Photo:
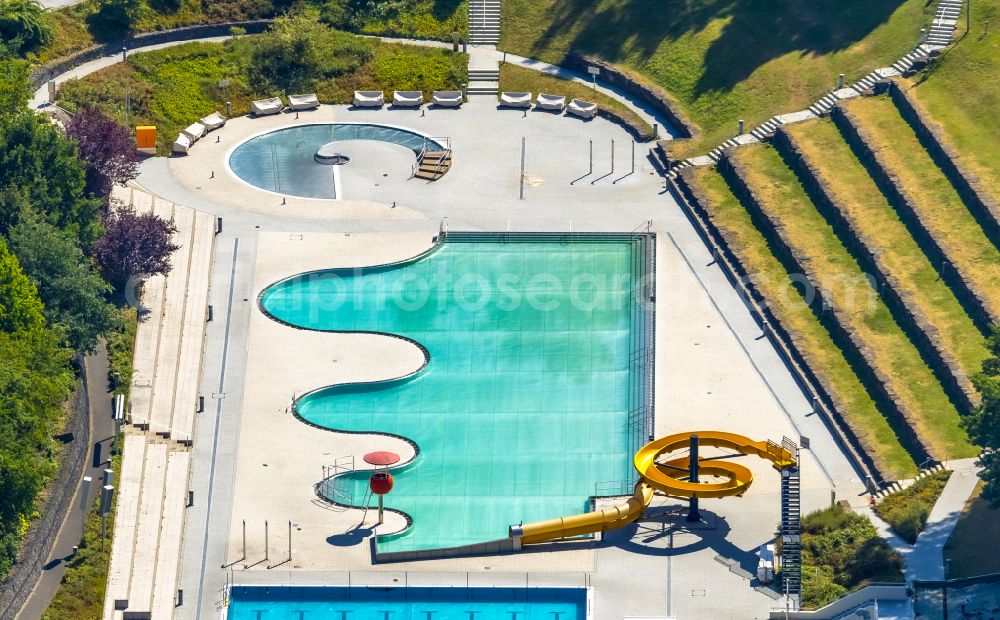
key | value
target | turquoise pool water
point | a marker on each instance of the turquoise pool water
(523, 405)
(282, 161)
(358, 603)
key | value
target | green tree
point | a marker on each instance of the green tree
(39, 168)
(114, 18)
(20, 307)
(298, 50)
(983, 423)
(335, 13)
(35, 379)
(24, 26)
(73, 293)
(14, 89)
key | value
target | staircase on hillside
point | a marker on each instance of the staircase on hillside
(945, 21)
(791, 529)
(484, 22)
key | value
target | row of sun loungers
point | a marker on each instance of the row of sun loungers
(274, 105)
(545, 101)
(407, 98)
(375, 99)
(196, 131)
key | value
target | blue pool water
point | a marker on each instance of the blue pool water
(359, 603)
(524, 403)
(282, 161)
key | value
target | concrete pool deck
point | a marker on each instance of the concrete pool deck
(712, 371)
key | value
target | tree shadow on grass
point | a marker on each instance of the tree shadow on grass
(443, 9)
(753, 32)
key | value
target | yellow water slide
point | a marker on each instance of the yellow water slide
(667, 477)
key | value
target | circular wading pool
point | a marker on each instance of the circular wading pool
(300, 161)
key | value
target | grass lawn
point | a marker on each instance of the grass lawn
(845, 285)
(841, 552)
(76, 27)
(907, 510)
(974, 546)
(81, 593)
(514, 78)
(723, 60)
(946, 216)
(856, 194)
(955, 94)
(173, 87)
(811, 338)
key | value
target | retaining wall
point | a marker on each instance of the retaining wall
(858, 353)
(982, 206)
(649, 93)
(809, 376)
(907, 313)
(36, 545)
(972, 300)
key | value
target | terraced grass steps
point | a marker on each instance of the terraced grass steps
(765, 274)
(960, 104)
(883, 355)
(924, 306)
(924, 198)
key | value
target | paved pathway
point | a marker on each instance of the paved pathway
(101, 433)
(925, 559)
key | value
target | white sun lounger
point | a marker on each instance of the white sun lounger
(303, 102)
(263, 107)
(581, 108)
(515, 100)
(182, 144)
(194, 131)
(447, 98)
(369, 98)
(213, 121)
(550, 102)
(407, 98)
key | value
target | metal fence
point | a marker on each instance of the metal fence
(37, 542)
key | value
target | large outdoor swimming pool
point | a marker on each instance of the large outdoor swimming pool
(361, 603)
(282, 161)
(524, 404)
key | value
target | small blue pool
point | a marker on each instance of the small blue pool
(282, 161)
(401, 603)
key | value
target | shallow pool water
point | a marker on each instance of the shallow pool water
(282, 161)
(523, 406)
(360, 603)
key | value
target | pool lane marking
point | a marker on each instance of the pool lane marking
(753, 362)
(218, 417)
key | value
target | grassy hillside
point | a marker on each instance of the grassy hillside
(173, 87)
(722, 60)
(959, 94)
(974, 545)
(80, 26)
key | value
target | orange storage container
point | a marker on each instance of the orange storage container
(145, 137)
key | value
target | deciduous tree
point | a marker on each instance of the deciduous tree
(73, 293)
(983, 424)
(40, 169)
(134, 244)
(108, 149)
